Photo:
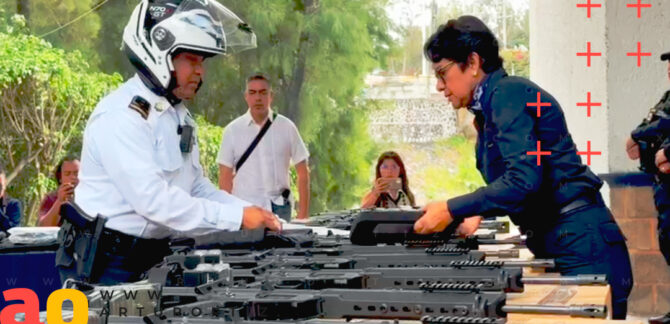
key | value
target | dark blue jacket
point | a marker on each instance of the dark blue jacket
(10, 212)
(508, 130)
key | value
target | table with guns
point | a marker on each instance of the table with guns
(364, 266)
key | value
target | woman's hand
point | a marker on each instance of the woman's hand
(381, 185)
(469, 226)
(435, 219)
(371, 197)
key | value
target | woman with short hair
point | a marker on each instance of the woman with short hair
(553, 197)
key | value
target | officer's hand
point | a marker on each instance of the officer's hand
(435, 219)
(469, 226)
(255, 217)
(632, 149)
(662, 161)
(65, 192)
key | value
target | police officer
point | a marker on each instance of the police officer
(140, 162)
(554, 199)
(650, 142)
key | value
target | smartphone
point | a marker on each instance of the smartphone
(395, 184)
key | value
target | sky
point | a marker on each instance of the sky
(417, 12)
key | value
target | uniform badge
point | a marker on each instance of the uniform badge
(140, 105)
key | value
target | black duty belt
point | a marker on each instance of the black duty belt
(123, 241)
(580, 202)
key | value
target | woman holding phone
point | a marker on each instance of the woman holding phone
(391, 188)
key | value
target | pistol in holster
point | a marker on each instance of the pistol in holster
(78, 240)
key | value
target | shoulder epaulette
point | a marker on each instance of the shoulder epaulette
(140, 105)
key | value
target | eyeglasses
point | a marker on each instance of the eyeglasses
(387, 166)
(441, 72)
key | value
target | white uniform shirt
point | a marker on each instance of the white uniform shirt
(265, 173)
(133, 172)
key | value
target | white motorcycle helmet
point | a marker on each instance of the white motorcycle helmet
(158, 29)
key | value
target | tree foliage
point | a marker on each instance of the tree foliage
(209, 141)
(317, 52)
(510, 25)
(45, 17)
(46, 94)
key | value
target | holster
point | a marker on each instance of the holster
(78, 240)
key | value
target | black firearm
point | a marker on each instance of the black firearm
(465, 301)
(651, 134)
(423, 241)
(207, 269)
(273, 299)
(261, 261)
(501, 227)
(78, 240)
(343, 219)
(334, 219)
(346, 250)
(266, 260)
(287, 304)
(587, 311)
(458, 305)
(396, 226)
(155, 319)
(257, 240)
(507, 279)
(370, 227)
(487, 277)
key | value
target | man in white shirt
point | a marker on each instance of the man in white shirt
(262, 178)
(140, 164)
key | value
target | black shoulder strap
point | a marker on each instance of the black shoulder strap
(255, 142)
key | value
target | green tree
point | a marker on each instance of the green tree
(408, 58)
(516, 62)
(509, 24)
(68, 24)
(113, 18)
(209, 139)
(46, 95)
(93, 27)
(317, 52)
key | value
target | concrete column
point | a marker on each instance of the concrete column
(559, 30)
(633, 90)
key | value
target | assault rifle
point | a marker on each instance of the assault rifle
(343, 219)
(431, 305)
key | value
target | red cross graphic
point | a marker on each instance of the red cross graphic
(588, 7)
(588, 104)
(639, 6)
(588, 153)
(639, 54)
(539, 104)
(588, 54)
(539, 152)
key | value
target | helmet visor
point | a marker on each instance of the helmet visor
(230, 33)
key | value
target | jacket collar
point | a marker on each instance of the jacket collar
(490, 83)
(483, 92)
